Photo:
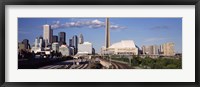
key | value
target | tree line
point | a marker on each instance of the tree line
(151, 63)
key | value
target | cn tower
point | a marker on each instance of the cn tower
(107, 35)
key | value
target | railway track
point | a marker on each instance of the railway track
(70, 66)
(118, 65)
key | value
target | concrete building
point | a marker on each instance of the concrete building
(55, 47)
(146, 49)
(64, 49)
(85, 48)
(62, 37)
(167, 49)
(47, 33)
(107, 33)
(156, 49)
(125, 47)
(42, 41)
(38, 46)
(81, 40)
(150, 50)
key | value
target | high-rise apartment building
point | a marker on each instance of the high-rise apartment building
(150, 50)
(167, 49)
(156, 49)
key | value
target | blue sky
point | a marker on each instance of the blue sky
(143, 31)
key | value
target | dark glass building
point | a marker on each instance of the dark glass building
(62, 37)
(55, 38)
(75, 43)
(70, 43)
(26, 43)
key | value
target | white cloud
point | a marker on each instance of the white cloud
(117, 27)
(93, 24)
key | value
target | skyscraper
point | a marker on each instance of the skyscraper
(42, 41)
(81, 40)
(26, 43)
(107, 31)
(36, 42)
(75, 43)
(47, 33)
(62, 37)
(70, 43)
(55, 38)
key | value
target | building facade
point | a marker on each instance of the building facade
(70, 43)
(62, 37)
(151, 50)
(64, 49)
(81, 40)
(55, 39)
(55, 47)
(21, 46)
(38, 46)
(47, 33)
(26, 43)
(167, 49)
(75, 43)
(125, 47)
(85, 48)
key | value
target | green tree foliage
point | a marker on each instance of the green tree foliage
(162, 63)
(158, 63)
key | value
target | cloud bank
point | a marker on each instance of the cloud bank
(92, 24)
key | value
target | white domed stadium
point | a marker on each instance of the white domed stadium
(64, 49)
(125, 47)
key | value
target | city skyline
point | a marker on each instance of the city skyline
(143, 31)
